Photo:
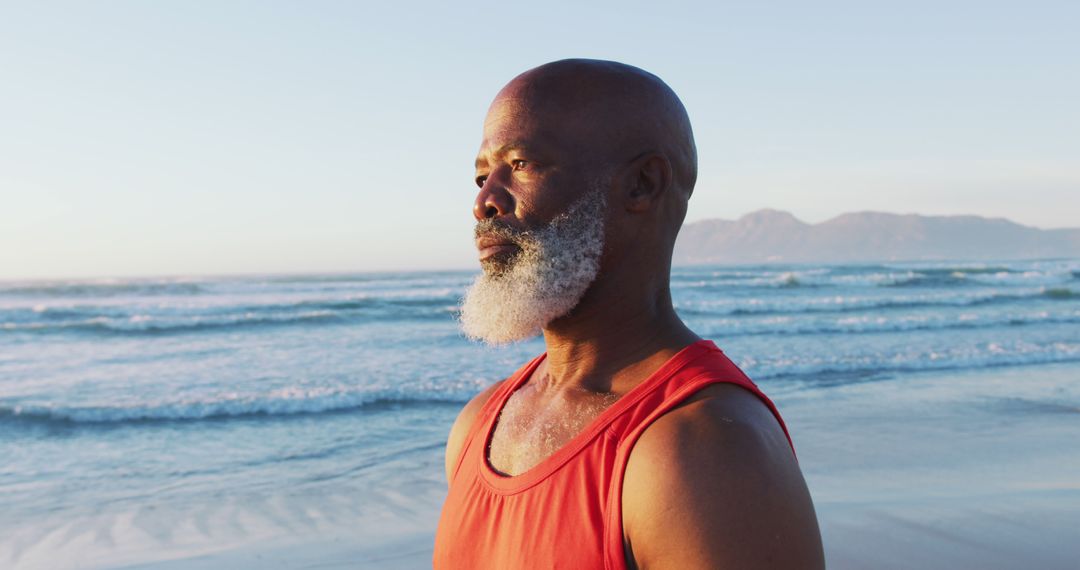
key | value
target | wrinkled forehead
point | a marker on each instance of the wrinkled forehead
(527, 110)
(516, 123)
(573, 124)
(506, 113)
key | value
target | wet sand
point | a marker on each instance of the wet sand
(978, 469)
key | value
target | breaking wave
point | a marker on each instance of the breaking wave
(296, 401)
(155, 321)
(852, 303)
(101, 288)
(289, 402)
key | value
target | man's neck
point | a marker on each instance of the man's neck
(611, 347)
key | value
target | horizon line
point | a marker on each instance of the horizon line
(180, 277)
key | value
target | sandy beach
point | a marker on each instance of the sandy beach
(974, 469)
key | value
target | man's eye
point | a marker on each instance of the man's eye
(519, 164)
(480, 181)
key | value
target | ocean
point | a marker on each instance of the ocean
(149, 416)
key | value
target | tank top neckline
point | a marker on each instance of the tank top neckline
(506, 484)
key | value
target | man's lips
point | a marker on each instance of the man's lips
(490, 245)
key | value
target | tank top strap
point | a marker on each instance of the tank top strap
(499, 397)
(713, 367)
(488, 412)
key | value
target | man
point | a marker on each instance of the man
(631, 443)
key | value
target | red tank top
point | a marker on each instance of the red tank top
(565, 512)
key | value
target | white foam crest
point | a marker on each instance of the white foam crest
(1001, 353)
(279, 402)
(144, 322)
(816, 323)
(848, 301)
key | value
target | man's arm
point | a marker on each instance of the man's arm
(464, 422)
(714, 484)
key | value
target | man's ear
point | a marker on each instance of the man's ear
(649, 178)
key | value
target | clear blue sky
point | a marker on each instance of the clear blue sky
(143, 138)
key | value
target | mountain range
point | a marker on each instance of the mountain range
(777, 236)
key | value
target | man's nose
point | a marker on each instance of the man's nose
(493, 201)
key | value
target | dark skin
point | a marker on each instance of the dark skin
(713, 483)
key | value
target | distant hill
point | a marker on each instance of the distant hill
(777, 236)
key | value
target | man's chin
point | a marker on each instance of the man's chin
(499, 264)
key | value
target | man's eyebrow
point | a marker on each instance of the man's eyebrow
(502, 150)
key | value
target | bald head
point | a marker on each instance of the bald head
(615, 111)
(584, 173)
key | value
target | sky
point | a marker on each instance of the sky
(220, 137)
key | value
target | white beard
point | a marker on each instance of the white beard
(544, 281)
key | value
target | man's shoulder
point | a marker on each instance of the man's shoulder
(723, 418)
(717, 465)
